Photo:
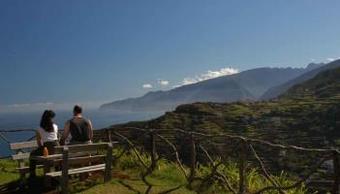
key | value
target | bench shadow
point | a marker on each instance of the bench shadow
(30, 186)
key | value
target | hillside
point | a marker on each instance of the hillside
(276, 91)
(247, 85)
(303, 121)
(324, 85)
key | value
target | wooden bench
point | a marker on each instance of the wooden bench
(22, 153)
(91, 157)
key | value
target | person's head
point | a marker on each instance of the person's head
(77, 110)
(46, 121)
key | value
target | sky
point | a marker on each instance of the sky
(85, 51)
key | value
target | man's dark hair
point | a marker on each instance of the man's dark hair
(77, 109)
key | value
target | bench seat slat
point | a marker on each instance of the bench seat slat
(20, 156)
(26, 169)
(49, 157)
(82, 160)
(79, 170)
(93, 147)
(82, 147)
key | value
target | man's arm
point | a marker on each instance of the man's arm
(65, 133)
(91, 130)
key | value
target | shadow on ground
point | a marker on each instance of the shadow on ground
(34, 186)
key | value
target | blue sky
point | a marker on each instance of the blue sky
(97, 51)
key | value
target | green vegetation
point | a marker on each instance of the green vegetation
(307, 123)
(307, 113)
(127, 178)
(8, 172)
(167, 175)
(307, 116)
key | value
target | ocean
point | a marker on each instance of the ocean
(30, 120)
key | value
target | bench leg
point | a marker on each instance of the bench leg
(22, 180)
(64, 185)
(64, 175)
(47, 179)
(108, 164)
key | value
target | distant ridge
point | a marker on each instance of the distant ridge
(326, 84)
(306, 115)
(246, 85)
(276, 91)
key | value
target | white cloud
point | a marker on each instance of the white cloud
(147, 86)
(208, 75)
(189, 80)
(330, 59)
(163, 82)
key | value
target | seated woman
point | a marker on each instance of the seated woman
(47, 136)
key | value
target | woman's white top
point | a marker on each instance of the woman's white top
(49, 136)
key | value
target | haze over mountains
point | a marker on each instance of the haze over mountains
(254, 84)
(306, 115)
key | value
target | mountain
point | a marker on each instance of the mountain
(276, 91)
(246, 85)
(306, 115)
(324, 85)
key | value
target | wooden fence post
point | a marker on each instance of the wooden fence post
(108, 134)
(153, 150)
(242, 167)
(193, 157)
(108, 163)
(336, 170)
(64, 175)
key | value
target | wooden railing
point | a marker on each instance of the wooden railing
(152, 140)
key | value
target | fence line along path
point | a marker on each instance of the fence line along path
(189, 149)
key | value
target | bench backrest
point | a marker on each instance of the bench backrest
(84, 154)
(23, 145)
(74, 149)
(89, 148)
(22, 153)
(21, 149)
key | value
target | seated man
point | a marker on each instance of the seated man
(80, 128)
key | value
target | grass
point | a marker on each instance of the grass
(8, 171)
(127, 178)
(131, 187)
(167, 176)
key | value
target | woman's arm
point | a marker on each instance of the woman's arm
(38, 137)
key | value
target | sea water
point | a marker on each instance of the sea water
(30, 120)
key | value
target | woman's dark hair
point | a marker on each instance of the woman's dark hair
(46, 120)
